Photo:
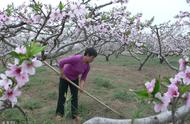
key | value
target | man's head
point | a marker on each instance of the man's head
(90, 54)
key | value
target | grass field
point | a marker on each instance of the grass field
(109, 81)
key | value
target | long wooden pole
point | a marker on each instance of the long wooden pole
(84, 91)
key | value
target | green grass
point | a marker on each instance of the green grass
(48, 121)
(122, 60)
(12, 114)
(103, 83)
(52, 95)
(124, 96)
(41, 69)
(83, 110)
(143, 110)
(32, 104)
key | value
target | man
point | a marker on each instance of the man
(73, 67)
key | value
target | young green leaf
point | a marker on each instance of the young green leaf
(183, 89)
(36, 7)
(166, 80)
(14, 54)
(61, 6)
(157, 87)
(1, 92)
(36, 50)
(19, 56)
(10, 9)
(142, 93)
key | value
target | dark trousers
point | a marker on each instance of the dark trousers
(63, 87)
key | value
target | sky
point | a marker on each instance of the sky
(162, 10)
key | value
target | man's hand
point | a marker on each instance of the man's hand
(62, 74)
(81, 85)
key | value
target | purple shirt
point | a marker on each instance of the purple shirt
(74, 66)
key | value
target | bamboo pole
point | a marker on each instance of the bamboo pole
(84, 91)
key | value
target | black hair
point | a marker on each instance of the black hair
(90, 52)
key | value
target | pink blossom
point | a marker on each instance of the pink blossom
(176, 80)
(81, 10)
(71, 14)
(5, 82)
(162, 106)
(150, 85)
(20, 75)
(3, 17)
(138, 18)
(21, 49)
(182, 63)
(36, 18)
(78, 9)
(12, 94)
(57, 15)
(16, 61)
(185, 76)
(81, 23)
(29, 66)
(102, 28)
(172, 91)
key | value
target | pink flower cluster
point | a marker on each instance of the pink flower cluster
(182, 78)
(3, 18)
(16, 76)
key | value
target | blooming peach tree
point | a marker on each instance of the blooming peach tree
(61, 28)
(17, 73)
(178, 87)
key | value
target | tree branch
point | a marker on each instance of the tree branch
(161, 118)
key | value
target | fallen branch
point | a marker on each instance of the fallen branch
(162, 118)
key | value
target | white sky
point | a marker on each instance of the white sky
(163, 10)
